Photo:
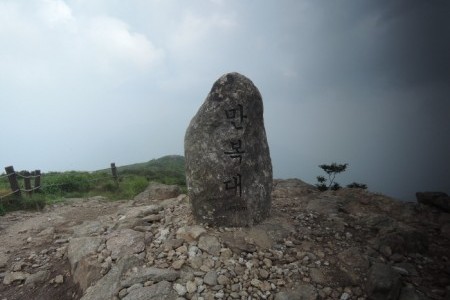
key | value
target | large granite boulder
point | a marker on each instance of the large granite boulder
(228, 166)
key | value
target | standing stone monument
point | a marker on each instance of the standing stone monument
(228, 166)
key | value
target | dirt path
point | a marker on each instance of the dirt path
(35, 241)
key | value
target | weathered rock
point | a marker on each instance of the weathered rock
(158, 191)
(228, 166)
(172, 244)
(141, 211)
(59, 279)
(190, 233)
(88, 228)
(10, 277)
(353, 257)
(108, 284)
(409, 293)
(301, 292)
(180, 289)
(87, 272)
(210, 244)
(47, 231)
(154, 274)
(383, 283)
(160, 290)
(125, 242)
(210, 278)
(317, 276)
(37, 277)
(401, 241)
(84, 265)
(3, 259)
(191, 287)
(237, 243)
(82, 247)
(436, 199)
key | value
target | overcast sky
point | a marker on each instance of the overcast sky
(85, 83)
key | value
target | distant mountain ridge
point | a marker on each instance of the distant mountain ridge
(168, 169)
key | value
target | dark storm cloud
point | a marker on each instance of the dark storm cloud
(362, 82)
(383, 43)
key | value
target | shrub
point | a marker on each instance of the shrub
(331, 170)
(355, 185)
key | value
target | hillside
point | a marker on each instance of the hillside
(348, 244)
(167, 169)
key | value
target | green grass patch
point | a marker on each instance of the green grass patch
(133, 179)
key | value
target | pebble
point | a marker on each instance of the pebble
(345, 296)
(263, 274)
(223, 280)
(219, 295)
(180, 289)
(210, 278)
(178, 264)
(59, 279)
(191, 287)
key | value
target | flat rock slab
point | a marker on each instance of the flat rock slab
(228, 165)
(125, 242)
(80, 248)
(144, 274)
(161, 290)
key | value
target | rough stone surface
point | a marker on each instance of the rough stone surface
(161, 290)
(383, 283)
(436, 199)
(154, 274)
(409, 293)
(190, 233)
(228, 165)
(301, 292)
(84, 265)
(37, 277)
(210, 278)
(209, 244)
(11, 277)
(107, 285)
(158, 191)
(80, 248)
(125, 242)
(87, 272)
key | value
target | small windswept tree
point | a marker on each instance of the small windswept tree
(331, 170)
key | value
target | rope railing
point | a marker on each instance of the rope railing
(26, 176)
(9, 194)
(26, 186)
(30, 190)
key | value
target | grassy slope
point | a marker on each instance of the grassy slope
(167, 169)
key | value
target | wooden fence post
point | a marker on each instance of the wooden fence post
(37, 180)
(12, 177)
(114, 172)
(27, 180)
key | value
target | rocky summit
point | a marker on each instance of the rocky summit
(342, 245)
(228, 166)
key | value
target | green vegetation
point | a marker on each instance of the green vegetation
(332, 170)
(133, 179)
(167, 169)
(355, 185)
